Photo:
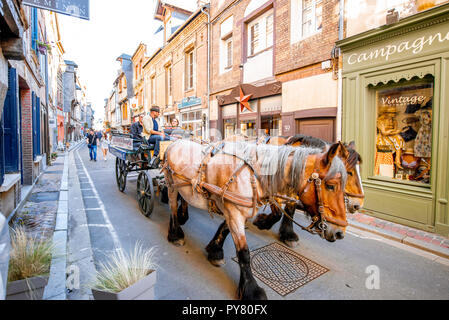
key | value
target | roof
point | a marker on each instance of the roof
(70, 63)
(124, 56)
(188, 6)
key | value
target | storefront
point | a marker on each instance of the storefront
(395, 106)
(191, 116)
(250, 110)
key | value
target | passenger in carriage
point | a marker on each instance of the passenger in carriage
(151, 128)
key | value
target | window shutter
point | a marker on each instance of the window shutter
(10, 124)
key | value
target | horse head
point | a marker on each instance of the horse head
(323, 193)
(354, 189)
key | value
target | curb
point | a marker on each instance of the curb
(56, 287)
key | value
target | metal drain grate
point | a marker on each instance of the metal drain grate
(282, 269)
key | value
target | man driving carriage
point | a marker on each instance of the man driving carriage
(146, 130)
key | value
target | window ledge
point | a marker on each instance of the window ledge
(10, 180)
(259, 52)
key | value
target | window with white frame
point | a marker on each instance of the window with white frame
(306, 18)
(189, 69)
(260, 33)
(153, 90)
(226, 44)
(168, 86)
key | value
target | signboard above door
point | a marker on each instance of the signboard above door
(74, 8)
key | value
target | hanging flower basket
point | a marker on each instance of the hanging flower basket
(43, 47)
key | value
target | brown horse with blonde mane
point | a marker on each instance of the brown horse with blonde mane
(354, 195)
(235, 178)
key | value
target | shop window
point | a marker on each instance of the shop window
(191, 121)
(404, 131)
(248, 128)
(229, 126)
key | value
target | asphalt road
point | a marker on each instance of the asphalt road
(361, 266)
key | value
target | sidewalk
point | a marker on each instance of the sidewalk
(423, 240)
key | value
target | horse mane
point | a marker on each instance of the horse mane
(273, 162)
(307, 141)
(353, 157)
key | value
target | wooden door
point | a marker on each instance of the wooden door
(323, 128)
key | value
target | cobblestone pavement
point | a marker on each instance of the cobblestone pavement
(38, 214)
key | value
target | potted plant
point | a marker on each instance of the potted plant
(126, 277)
(29, 266)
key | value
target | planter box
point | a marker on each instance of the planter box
(27, 289)
(141, 290)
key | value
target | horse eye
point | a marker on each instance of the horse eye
(350, 173)
(330, 187)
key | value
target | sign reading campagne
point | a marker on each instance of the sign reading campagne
(74, 8)
(414, 46)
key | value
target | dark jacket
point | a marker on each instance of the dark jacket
(92, 139)
(136, 130)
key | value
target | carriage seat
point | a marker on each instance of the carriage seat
(143, 145)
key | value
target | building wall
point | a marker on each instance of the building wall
(192, 37)
(302, 64)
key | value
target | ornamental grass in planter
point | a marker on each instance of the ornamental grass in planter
(29, 266)
(126, 276)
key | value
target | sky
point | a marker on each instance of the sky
(115, 27)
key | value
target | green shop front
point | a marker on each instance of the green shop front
(396, 108)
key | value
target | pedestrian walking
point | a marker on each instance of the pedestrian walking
(105, 141)
(92, 141)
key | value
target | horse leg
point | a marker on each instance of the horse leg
(248, 288)
(266, 221)
(215, 247)
(286, 233)
(183, 211)
(175, 233)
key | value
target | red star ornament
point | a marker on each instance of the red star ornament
(243, 100)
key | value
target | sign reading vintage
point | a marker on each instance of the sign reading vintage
(74, 8)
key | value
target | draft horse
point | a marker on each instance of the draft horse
(354, 194)
(235, 178)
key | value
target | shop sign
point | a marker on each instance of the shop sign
(419, 43)
(413, 46)
(74, 8)
(189, 102)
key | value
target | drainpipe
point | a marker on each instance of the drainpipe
(208, 69)
(340, 81)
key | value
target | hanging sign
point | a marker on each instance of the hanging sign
(74, 8)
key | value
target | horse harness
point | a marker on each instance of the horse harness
(207, 189)
(318, 221)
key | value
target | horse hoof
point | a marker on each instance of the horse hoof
(256, 294)
(218, 263)
(179, 243)
(291, 244)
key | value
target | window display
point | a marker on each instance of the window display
(404, 131)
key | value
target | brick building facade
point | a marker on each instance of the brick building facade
(279, 53)
(175, 76)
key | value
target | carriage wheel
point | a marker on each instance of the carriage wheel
(145, 193)
(120, 174)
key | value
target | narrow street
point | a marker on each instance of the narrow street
(114, 221)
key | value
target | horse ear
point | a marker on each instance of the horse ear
(351, 145)
(337, 149)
